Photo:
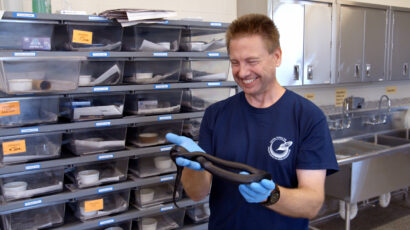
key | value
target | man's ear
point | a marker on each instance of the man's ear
(278, 56)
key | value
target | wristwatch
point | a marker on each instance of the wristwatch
(273, 197)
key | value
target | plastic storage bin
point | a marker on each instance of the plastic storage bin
(191, 128)
(90, 37)
(26, 36)
(164, 221)
(92, 107)
(151, 134)
(203, 39)
(152, 195)
(23, 111)
(205, 70)
(200, 99)
(149, 72)
(149, 103)
(101, 204)
(37, 218)
(96, 140)
(101, 73)
(97, 173)
(30, 147)
(38, 75)
(117, 226)
(152, 165)
(33, 183)
(199, 213)
(151, 38)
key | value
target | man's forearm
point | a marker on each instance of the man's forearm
(196, 183)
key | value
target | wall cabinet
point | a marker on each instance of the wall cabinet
(400, 45)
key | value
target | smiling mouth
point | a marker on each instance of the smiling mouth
(249, 81)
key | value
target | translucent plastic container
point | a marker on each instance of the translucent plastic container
(26, 36)
(23, 111)
(152, 195)
(97, 173)
(126, 225)
(205, 70)
(151, 134)
(203, 40)
(39, 75)
(149, 72)
(96, 140)
(200, 99)
(163, 221)
(99, 205)
(199, 213)
(152, 38)
(152, 165)
(92, 107)
(31, 183)
(149, 102)
(191, 128)
(30, 147)
(90, 37)
(37, 218)
(94, 73)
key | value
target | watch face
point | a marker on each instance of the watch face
(273, 197)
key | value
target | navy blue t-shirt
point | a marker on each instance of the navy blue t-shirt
(291, 134)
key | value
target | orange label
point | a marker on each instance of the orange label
(12, 147)
(9, 108)
(391, 89)
(93, 205)
(84, 37)
(310, 96)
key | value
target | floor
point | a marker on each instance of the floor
(373, 217)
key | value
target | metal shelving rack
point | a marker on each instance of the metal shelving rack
(68, 160)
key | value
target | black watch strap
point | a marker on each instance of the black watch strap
(273, 197)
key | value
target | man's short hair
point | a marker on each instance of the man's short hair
(254, 24)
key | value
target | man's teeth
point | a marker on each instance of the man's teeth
(248, 81)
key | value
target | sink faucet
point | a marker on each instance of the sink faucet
(379, 118)
(344, 122)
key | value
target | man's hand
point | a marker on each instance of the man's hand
(256, 192)
(189, 145)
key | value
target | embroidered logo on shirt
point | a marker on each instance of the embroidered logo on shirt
(279, 148)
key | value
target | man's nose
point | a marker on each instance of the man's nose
(243, 71)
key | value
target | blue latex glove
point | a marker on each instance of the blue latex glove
(256, 192)
(189, 145)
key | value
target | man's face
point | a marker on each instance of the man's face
(253, 68)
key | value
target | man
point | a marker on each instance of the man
(266, 127)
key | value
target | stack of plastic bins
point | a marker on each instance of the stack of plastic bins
(85, 107)
(96, 140)
(205, 70)
(150, 103)
(95, 72)
(30, 147)
(152, 38)
(191, 128)
(203, 40)
(152, 165)
(23, 111)
(30, 184)
(77, 36)
(39, 75)
(200, 99)
(199, 213)
(154, 194)
(99, 205)
(152, 134)
(26, 36)
(35, 218)
(126, 225)
(98, 173)
(164, 221)
(152, 71)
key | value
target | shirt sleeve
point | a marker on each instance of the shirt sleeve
(316, 149)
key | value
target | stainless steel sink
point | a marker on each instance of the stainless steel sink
(353, 147)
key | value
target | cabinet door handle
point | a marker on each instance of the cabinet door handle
(296, 72)
(310, 72)
(357, 70)
(368, 68)
(405, 69)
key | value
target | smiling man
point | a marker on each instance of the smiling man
(267, 127)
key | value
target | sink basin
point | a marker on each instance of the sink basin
(386, 140)
(352, 147)
(404, 134)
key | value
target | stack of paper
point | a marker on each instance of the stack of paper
(129, 17)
